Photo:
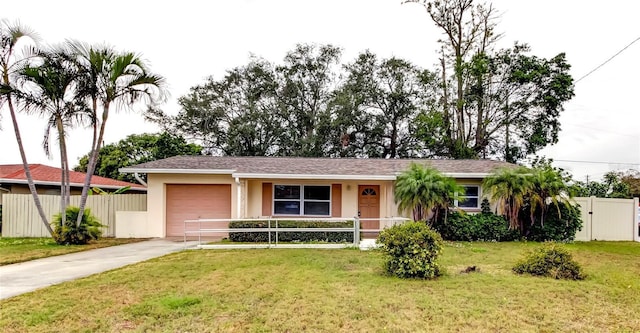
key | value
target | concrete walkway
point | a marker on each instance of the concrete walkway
(27, 276)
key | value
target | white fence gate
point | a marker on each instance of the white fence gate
(20, 217)
(608, 219)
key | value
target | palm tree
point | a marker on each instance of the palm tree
(110, 77)
(548, 186)
(509, 188)
(425, 191)
(13, 57)
(52, 95)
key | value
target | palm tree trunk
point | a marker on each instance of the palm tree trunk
(64, 174)
(25, 165)
(62, 194)
(93, 160)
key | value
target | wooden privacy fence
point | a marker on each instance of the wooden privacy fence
(20, 217)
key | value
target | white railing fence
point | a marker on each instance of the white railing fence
(205, 228)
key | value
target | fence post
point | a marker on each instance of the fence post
(356, 231)
(269, 230)
(636, 219)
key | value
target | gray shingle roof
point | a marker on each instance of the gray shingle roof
(312, 166)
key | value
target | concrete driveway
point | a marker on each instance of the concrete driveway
(24, 277)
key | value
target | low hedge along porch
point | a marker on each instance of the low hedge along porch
(288, 236)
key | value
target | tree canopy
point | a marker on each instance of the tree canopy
(480, 102)
(614, 184)
(136, 149)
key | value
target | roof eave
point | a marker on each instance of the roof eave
(312, 176)
(39, 182)
(178, 171)
(476, 175)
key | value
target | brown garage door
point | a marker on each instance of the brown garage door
(190, 201)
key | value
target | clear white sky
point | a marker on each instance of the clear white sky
(185, 41)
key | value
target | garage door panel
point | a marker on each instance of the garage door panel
(194, 201)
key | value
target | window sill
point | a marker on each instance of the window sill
(302, 216)
(471, 210)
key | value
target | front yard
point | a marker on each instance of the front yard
(15, 250)
(339, 290)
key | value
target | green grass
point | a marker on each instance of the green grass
(299, 290)
(15, 250)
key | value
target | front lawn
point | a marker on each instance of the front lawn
(14, 250)
(297, 290)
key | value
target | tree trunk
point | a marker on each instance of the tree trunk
(93, 159)
(445, 114)
(507, 149)
(65, 187)
(25, 165)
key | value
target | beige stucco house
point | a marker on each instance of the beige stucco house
(192, 187)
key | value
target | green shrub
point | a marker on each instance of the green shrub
(460, 226)
(557, 226)
(551, 260)
(263, 237)
(412, 250)
(70, 233)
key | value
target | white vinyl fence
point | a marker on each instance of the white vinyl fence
(20, 217)
(608, 219)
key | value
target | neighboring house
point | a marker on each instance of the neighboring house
(47, 180)
(191, 187)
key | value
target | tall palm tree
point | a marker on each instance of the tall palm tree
(13, 57)
(51, 94)
(111, 77)
(424, 191)
(509, 188)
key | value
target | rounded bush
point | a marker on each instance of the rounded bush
(412, 250)
(72, 234)
(551, 260)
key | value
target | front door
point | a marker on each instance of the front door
(369, 208)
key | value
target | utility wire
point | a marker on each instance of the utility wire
(596, 162)
(600, 130)
(604, 63)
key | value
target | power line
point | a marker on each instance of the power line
(604, 63)
(600, 130)
(596, 162)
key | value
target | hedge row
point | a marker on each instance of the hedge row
(475, 227)
(560, 224)
(288, 236)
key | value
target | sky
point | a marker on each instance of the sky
(187, 41)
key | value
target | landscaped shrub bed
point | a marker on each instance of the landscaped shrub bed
(288, 236)
(560, 224)
(460, 226)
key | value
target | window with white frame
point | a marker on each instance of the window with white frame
(302, 200)
(471, 197)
